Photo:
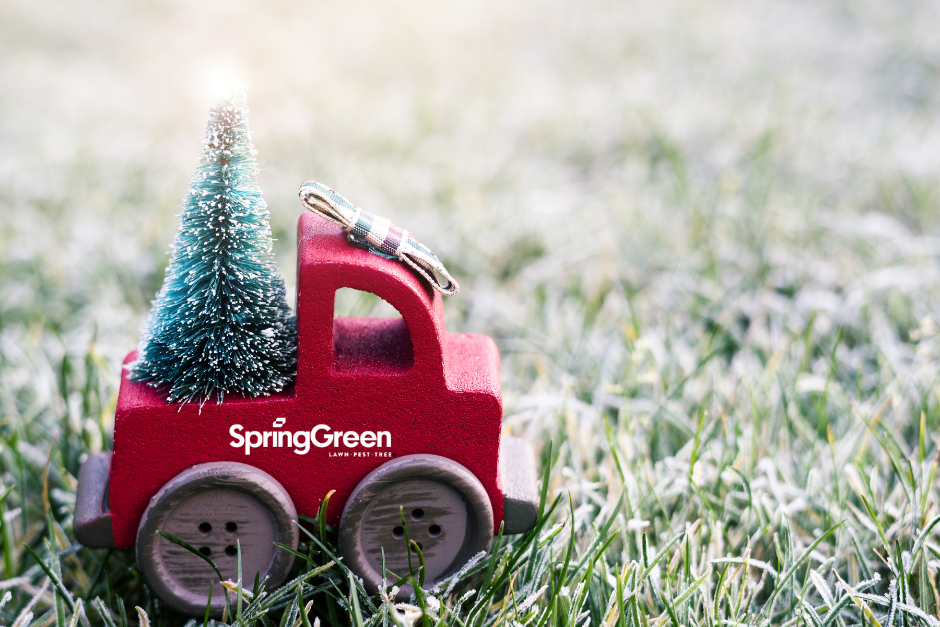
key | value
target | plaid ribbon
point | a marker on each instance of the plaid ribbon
(377, 235)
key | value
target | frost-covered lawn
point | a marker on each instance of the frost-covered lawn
(706, 235)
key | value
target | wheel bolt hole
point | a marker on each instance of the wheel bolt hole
(231, 527)
(420, 547)
(231, 551)
(205, 527)
(398, 532)
(206, 551)
(434, 531)
(417, 513)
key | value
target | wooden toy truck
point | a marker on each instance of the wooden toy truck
(390, 413)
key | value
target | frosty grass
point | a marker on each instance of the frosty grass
(704, 235)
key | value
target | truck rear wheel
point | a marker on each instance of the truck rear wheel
(215, 507)
(446, 510)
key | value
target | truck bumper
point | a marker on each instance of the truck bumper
(92, 523)
(518, 477)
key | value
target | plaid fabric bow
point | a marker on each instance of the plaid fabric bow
(376, 234)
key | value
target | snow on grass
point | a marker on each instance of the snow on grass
(704, 235)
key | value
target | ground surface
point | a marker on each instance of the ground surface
(709, 227)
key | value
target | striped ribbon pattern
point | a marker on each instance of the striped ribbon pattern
(377, 235)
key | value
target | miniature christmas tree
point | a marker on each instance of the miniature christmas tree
(221, 324)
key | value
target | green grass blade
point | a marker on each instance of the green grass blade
(122, 613)
(238, 594)
(784, 578)
(52, 576)
(104, 613)
(205, 620)
(695, 444)
(874, 518)
(6, 536)
(321, 515)
(922, 537)
(546, 471)
(354, 611)
(205, 558)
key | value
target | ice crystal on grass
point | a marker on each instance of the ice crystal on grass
(221, 323)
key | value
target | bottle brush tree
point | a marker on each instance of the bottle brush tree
(221, 324)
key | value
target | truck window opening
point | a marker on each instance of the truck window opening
(350, 303)
(369, 336)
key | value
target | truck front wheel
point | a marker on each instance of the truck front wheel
(441, 505)
(216, 508)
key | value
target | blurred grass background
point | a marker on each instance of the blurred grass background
(657, 209)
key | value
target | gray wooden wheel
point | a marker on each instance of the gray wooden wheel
(447, 512)
(211, 506)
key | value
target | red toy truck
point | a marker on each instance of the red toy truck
(390, 413)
